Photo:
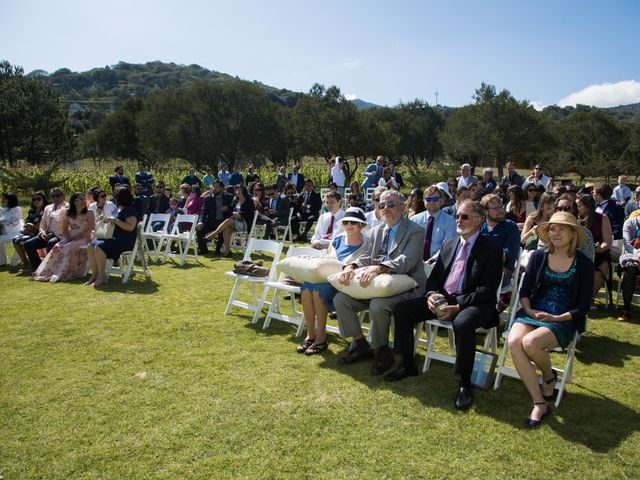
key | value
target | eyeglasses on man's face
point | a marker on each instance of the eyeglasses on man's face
(387, 204)
(431, 199)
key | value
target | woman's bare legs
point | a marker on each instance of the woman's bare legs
(321, 318)
(92, 264)
(309, 312)
(101, 265)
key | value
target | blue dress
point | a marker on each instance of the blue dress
(122, 240)
(554, 298)
(326, 291)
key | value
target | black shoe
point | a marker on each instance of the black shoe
(359, 353)
(464, 398)
(401, 373)
(384, 361)
(530, 423)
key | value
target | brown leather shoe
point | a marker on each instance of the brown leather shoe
(356, 355)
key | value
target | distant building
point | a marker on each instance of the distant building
(75, 108)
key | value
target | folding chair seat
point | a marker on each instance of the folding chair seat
(239, 240)
(152, 240)
(255, 245)
(565, 375)
(15, 258)
(432, 327)
(185, 240)
(127, 260)
(285, 229)
(279, 286)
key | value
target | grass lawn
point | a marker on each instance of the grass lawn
(151, 380)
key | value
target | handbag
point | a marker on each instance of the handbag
(103, 230)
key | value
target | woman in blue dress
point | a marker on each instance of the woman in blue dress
(123, 240)
(555, 296)
(317, 298)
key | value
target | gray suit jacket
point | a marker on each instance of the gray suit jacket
(405, 255)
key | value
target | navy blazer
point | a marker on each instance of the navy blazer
(581, 287)
(315, 203)
(210, 207)
(482, 275)
(300, 183)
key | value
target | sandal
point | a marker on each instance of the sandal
(304, 345)
(531, 423)
(553, 381)
(316, 348)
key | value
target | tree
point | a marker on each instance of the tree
(33, 119)
(117, 135)
(417, 126)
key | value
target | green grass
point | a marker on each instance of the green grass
(151, 380)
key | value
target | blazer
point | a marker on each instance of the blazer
(405, 255)
(246, 210)
(121, 179)
(581, 286)
(282, 208)
(482, 276)
(372, 175)
(299, 183)
(315, 203)
(161, 200)
(211, 205)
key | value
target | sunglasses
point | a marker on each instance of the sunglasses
(56, 195)
(532, 190)
(389, 204)
(563, 209)
(350, 222)
(461, 216)
(37, 199)
(102, 196)
(431, 199)
(375, 199)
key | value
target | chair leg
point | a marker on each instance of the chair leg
(432, 334)
(503, 356)
(263, 299)
(232, 297)
(274, 307)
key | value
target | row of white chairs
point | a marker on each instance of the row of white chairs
(431, 328)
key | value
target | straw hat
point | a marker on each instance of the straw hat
(561, 218)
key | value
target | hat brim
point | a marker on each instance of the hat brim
(352, 219)
(542, 232)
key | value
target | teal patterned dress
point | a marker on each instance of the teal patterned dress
(554, 297)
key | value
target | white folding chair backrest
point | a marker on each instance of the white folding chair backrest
(157, 217)
(369, 194)
(323, 192)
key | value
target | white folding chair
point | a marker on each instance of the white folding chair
(369, 194)
(565, 375)
(127, 260)
(323, 192)
(185, 240)
(255, 245)
(279, 286)
(285, 229)
(15, 258)
(432, 327)
(152, 240)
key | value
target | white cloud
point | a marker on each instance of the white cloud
(537, 105)
(350, 96)
(605, 95)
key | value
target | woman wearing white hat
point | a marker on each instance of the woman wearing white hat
(555, 297)
(317, 298)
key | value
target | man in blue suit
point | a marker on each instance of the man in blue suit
(296, 178)
(373, 173)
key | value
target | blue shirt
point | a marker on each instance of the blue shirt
(507, 236)
(235, 179)
(224, 177)
(342, 249)
(444, 228)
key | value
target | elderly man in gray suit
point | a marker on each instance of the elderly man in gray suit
(395, 246)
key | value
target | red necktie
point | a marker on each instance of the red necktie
(427, 240)
(330, 229)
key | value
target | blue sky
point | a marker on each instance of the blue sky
(548, 52)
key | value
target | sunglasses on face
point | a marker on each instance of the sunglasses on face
(431, 199)
(102, 196)
(461, 216)
(56, 195)
(389, 204)
(375, 199)
(532, 190)
(37, 199)
(563, 209)
(350, 222)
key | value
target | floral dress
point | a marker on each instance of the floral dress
(67, 260)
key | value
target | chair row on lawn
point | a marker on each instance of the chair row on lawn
(273, 286)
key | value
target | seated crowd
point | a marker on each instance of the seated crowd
(459, 241)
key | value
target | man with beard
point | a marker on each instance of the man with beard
(466, 274)
(501, 231)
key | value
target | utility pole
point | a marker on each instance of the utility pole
(436, 99)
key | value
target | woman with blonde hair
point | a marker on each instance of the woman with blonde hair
(555, 297)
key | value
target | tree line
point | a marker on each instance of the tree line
(210, 123)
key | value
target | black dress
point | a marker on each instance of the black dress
(122, 240)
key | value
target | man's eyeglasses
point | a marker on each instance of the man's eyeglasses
(389, 204)
(461, 216)
(563, 209)
(431, 199)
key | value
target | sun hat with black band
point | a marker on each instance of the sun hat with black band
(354, 214)
(561, 218)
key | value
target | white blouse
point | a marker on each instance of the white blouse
(10, 220)
(109, 210)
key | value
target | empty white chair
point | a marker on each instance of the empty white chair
(152, 240)
(185, 240)
(255, 245)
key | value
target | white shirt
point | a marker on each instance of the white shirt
(383, 183)
(371, 219)
(337, 175)
(323, 225)
(109, 209)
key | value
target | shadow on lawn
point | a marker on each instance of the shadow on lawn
(594, 348)
(134, 285)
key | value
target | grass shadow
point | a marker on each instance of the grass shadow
(140, 286)
(594, 348)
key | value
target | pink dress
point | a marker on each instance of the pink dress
(68, 260)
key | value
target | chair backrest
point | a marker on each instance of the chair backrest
(323, 192)
(369, 194)
(184, 218)
(347, 192)
(157, 217)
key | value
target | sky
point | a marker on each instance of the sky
(548, 52)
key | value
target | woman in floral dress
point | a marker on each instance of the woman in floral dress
(67, 260)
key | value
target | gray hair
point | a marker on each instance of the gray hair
(478, 209)
(395, 193)
(465, 165)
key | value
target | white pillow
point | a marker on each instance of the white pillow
(384, 285)
(305, 268)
